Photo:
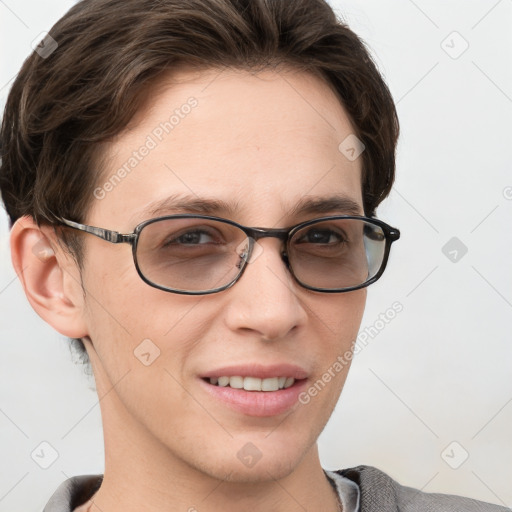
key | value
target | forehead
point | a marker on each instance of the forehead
(257, 142)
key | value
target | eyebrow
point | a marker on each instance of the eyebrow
(334, 203)
(184, 203)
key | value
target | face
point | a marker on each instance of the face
(260, 144)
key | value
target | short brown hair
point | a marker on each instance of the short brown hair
(62, 105)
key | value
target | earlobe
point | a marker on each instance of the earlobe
(50, 278)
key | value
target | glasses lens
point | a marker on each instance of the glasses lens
(200, 255)
(191, 254)
(337, 254)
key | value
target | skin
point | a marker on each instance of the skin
(266, 140)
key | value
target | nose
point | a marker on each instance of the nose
(266, 299)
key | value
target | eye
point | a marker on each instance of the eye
(321, 236)
(191, 237)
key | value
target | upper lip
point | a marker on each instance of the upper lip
(259, 371)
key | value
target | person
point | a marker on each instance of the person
(241, 148)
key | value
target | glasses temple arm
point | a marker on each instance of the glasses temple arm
(105, 234)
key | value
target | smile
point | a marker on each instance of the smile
(253, 383)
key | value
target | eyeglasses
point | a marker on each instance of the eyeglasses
(199, 254)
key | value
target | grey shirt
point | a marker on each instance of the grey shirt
(361, 489)
(380, 493)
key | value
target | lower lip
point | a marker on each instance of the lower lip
(257, 403)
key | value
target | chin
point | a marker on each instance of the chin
(258, 458)
(263, 471)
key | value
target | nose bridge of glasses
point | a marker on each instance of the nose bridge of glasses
(257, 233)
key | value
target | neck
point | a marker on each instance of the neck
(142, 474)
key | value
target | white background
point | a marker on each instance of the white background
(440, 372)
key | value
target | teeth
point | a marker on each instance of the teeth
(270, 384)
(236, 382)
(253, 383)
(223, 381)
(289, 382)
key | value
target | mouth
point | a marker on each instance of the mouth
(255, 390)
(249, 383)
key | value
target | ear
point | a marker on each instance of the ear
(49, 276)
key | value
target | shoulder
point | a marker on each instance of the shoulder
(73, 492)
(380, 493)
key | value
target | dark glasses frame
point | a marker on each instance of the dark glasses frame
(253, 234)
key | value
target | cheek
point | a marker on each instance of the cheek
(339, 316)
(121, 313)
(337, 320)
(118, 300)
(351, 308)
(133, 325)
